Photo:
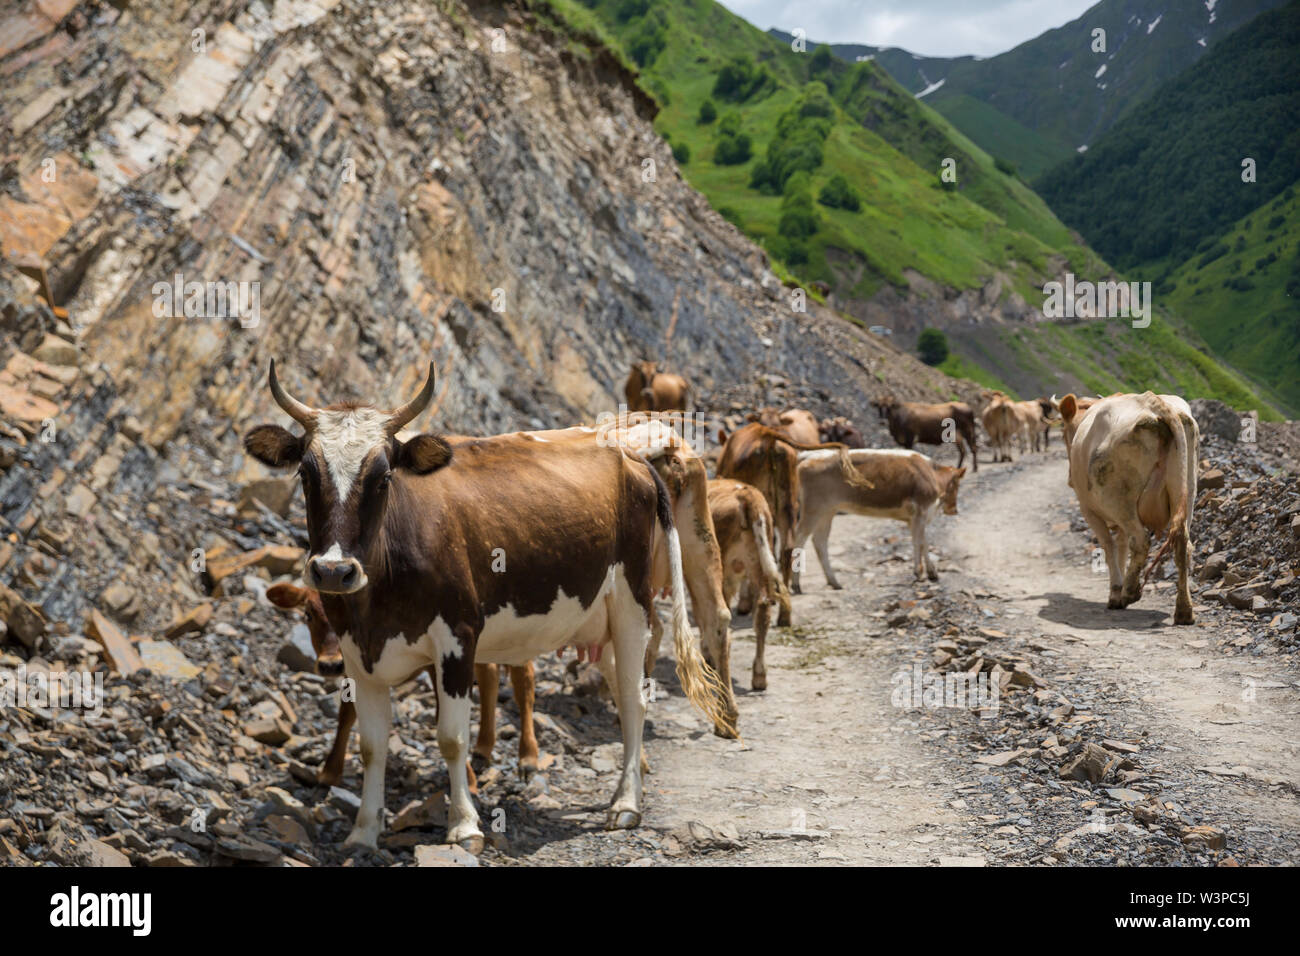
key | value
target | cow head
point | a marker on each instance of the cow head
(1072, 409)
(647, 371)
(948, 478)
(351, 463)
(329, 658)
(1049, 407)
(768, 417)
(883, 404)
(841, 430)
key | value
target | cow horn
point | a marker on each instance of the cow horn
(400, 417)
(300, 413)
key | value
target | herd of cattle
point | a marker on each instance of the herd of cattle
(458, 554)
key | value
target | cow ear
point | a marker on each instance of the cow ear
(722, 436)
(423, 454)
(752, 417)
(274, 446)
(286, 595)
(1069, 405)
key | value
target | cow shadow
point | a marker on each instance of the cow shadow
(1095, 616)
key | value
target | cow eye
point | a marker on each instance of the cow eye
(385, 478)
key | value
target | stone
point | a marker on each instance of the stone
(1211, 480)
(1092, 764)
(120, 653)
(192, 621)
(1205, 838)
(444, 855)
(167, 660)
(272, 731)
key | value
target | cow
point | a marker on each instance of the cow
(840, 429)
(793, 423)
(329, 663)
(766, 459)
(498, 550)
(687, 480)
(1132, 465)
(743, 524)
(1001, 424)
(650, 390)
(937, 424)
(905, 485)
(1050, 413)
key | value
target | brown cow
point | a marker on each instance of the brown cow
(329, 663)
(840, 429)
(743, 524)
(1132, 465)
(497, 550)
(905, 485)
(793, 423)
(650, 390)
(1001, 424)
(764, 458)
(938, 424)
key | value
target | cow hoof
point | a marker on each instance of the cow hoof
(783, 620)
(328, 778)
(359, 841)
(932, 575)
(835, 585)
(759, 682)
(796, 588)
(478, 763)
(622, 820)
(1183, 616)
(1132, 598)
(471, 844)
(728, 733)
(527, 768)
(1115, 603)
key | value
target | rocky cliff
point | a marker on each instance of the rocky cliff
(373, 185)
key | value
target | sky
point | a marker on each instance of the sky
(927, 27)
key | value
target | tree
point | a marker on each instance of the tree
(682, 153)
(932, 346)
(838, 194)
(708, 113)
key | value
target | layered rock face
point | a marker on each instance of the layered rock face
(353, 189)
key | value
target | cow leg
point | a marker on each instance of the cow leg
(821, 541)
(924, 563)
(652, 648)
(454, 651)
(523, 680)
(1139, 548)
(331, 771)
(374, 721)
(1114, 560)
(627, 622)
(1182, 548)
(762, 615)
(608, 668)
(487, 676)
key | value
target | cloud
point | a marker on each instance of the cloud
(926, 27)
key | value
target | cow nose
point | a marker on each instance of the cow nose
(334, 577)
(329, 666)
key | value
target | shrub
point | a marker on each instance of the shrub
(838, 194)
(682, 153)
(708, 113)
(1004, 166)
(739, 80)
(733, 150)
(932, 346)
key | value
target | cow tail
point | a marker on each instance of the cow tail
(766, 559)
(1176, 479)
(700, 682)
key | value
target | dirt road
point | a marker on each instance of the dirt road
(831, 772)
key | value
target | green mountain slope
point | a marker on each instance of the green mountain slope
(1242, 294)
(1055, 87)
(1169, 174)
(786, 144)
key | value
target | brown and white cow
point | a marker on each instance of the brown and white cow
(840, 429)
(743, 523)
(905, 485)
(649, 390)
(795, 424)
(942, 423)
(759, 456)
(329, 663)
(1132, 465)
(497, 550)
